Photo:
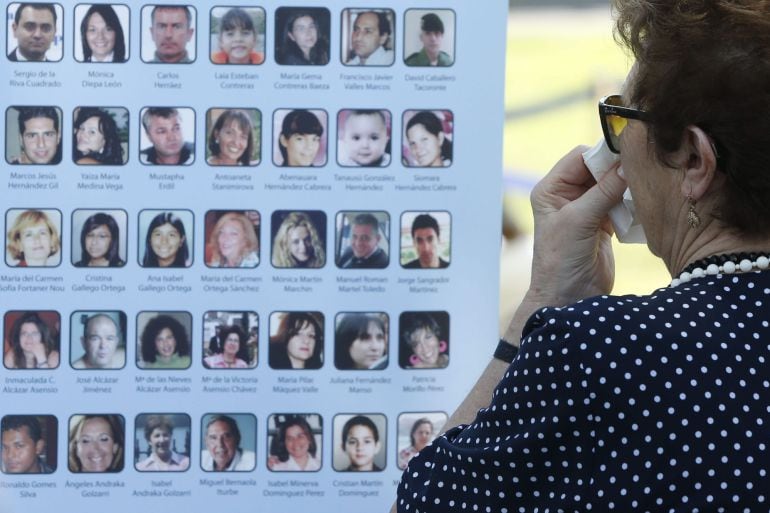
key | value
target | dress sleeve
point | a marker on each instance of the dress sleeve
(530, 447)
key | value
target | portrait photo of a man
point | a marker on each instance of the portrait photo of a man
(33, 135)
(34, 32)
(168, 34)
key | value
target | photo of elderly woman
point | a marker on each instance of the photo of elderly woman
(363, 138)
(237, 35)
(104, 31)
(99, 238)
(96, 443)
(361, 341)
(359, 443)
(33, 238)
(31, 340)
(427, 138)
(233, 137)
(424, 340)
(162, 442)
(100, 136)
(230, 340)
(233, 238)
(300, 137)
(296, 340)
(294, 441)
(299, 239)
(302, 36)
(164, 340)
(167, 238)
(415, 431)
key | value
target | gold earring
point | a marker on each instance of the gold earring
(693, 219)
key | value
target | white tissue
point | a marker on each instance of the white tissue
(599, 160)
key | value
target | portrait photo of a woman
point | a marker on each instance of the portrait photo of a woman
(33, 239)
(233, 238)
(167, 238)
(230, 339)
(162, 442)
(296, 340)
(427, 138)
(424, 340)
(104, 31)
(361, 341)
(237, 35)
(96, 443)
(302, 36)
(415, 431)
(301, 137)
(32, 340)
(299, 239)
(233, 137)
(295, 442)
(97, 139)
(164, 340)
(99, 238)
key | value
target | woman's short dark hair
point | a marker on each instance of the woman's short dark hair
(46, 337)
(113, 151)
(244, 124)
(111, 20)
(154, 422)
(91, 223)
(290, 324)
(351, 327)
(243, 350)
(299, 121)
(150, 258)
(359, 420)
(153, 329)
(278, 443)
(410, 323)
(707, 64)
(290, 51)
(433, 125)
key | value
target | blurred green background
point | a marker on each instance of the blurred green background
(560, 61)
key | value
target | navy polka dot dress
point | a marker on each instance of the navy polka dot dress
(652, 403)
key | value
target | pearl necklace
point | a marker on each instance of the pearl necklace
(719, 264)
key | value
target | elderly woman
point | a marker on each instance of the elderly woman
(158, 432)
(297, 243)
(33, 240)
(234, 354)
(655, 402)
(233, 242)
(33, 344)
(96, 443)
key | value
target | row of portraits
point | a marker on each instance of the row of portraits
(162, 442)
(229, 340)
(166, 239)
(100, 136)
(236, 35)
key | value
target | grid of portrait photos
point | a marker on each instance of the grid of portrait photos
(230, 239)
(229, 442)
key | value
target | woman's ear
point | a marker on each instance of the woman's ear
(698, 161)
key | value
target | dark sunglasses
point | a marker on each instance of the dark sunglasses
(614, 118)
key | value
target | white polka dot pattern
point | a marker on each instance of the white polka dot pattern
(652, 403)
